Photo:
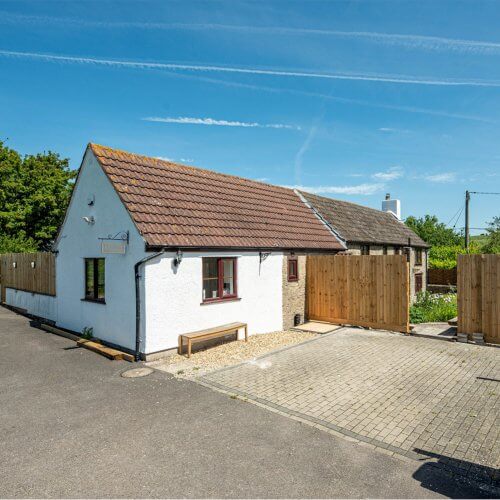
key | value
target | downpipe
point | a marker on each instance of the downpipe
(137, 275)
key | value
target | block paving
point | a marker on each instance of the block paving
(408, 396)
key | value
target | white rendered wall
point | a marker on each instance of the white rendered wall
(44, 306)
(173, 298)
(115, 320)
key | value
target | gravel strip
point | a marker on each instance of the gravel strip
(230, 353)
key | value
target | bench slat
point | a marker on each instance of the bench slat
(216, 329)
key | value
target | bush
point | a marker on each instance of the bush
(429, 307)
(445, 257)
(16, 244)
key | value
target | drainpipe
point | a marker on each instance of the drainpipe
(138, 301)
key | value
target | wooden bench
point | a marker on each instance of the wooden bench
(210, 333)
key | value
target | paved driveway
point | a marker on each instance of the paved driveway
(70, 426)
(407, 396)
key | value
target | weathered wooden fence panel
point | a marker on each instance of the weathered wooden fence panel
(368, 290)
(443, 276)
(30, 272)
(478, 295)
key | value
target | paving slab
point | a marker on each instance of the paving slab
(316, 327)
(412, 396)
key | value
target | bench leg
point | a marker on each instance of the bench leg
(246, 334)
(179, 349)
(189, 348)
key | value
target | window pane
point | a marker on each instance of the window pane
(228, 279)
(210, 288)
(210, 267)
(89, 278)
(100, 278)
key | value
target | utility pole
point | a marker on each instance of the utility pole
(467, 235)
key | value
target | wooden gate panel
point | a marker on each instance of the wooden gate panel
(368, 290)
(478, 290)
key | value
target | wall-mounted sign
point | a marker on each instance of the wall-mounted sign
(115, 244)
(110, 246)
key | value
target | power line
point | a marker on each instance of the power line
(479, 192)
(458, 218)
(453, 217)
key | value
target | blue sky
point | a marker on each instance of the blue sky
(350, 99)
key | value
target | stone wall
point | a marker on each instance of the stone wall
(294, 292)
(414, 269)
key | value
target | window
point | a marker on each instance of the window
(418, 282)
(293, 269)
(219, 278)
(94, 279)
(407, 253)
(418, 257)
(365, 249)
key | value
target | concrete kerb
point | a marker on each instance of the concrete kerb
(314, 422)
(378, 446)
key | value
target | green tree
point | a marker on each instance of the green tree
(432, 231)
(492, 244)
(34, 194)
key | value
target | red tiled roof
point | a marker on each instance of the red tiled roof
(180, 206)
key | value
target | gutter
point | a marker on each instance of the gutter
(137, 265)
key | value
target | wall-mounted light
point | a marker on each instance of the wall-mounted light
(263, 256)
(89, 220)
(178, 258)
(14, 265)
(33, 264)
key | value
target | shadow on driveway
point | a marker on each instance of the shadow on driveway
(433, 476)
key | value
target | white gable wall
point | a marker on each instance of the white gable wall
(115, 320)
(173, 297)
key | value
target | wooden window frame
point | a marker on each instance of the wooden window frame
(95, 264)
(292, 277)
(365, 249)
(418, 256)
(419, 277)
(220, 280)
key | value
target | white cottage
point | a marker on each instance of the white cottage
(151, 249)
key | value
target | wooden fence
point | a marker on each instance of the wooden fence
(30, 272)
(368, 290)
(478, 295)
(443, 276)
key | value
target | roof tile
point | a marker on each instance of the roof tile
(359, 224)
(180, 206)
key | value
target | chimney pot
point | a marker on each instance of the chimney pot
(388, 196)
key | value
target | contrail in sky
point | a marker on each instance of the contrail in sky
(384, 78)
(426, 42)
(189, 120)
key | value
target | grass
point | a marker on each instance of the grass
(429, 307)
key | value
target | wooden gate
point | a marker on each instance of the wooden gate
(478, 295)
(368, 290)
